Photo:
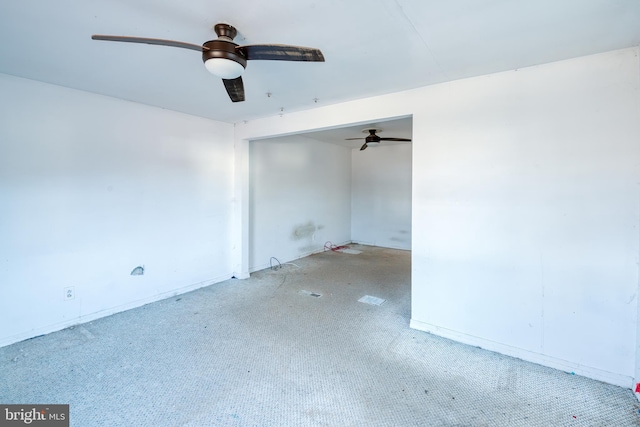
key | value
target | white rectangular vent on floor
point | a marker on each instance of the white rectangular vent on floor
(368, 299)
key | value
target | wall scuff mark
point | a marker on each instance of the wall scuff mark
(303, 231)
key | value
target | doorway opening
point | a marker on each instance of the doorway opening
(319, 187)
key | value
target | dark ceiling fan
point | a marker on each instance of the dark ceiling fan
(372, 138)
(226, 59)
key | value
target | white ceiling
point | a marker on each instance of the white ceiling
(371, 47)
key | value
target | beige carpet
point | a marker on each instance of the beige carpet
(295, 347)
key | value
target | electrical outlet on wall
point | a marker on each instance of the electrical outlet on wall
(69, 293)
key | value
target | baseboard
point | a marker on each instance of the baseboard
(107, 312)
(302, 255)
(401, 248)
(530, 356)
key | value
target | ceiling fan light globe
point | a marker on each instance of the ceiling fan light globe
(373, 144)
(224, 68)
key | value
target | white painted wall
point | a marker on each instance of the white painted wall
(528, 193)
(300, 193)
(525, 208)
(91, 187)
(381, 196)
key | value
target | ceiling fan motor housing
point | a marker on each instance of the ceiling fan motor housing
(372, 138)
(222, 49)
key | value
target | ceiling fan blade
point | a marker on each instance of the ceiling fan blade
(395, 139)
(235, 89)
(160, 42)
(281, 52)
(364, 147)
(352, 139)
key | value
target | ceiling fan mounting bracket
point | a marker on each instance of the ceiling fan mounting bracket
(225, 30)
(371, 131)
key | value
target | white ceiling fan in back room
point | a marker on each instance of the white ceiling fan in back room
(226, 59)
(373, 139)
